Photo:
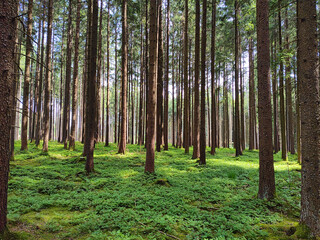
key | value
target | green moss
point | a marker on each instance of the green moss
(303, 232)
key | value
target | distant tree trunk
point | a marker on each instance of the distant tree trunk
(308, 78)
(213, 82)
(203, 84)
(39, 95)
(237, 142)
(61, 83)
(66, 106)
(298, 112)
(98, 112)
(47, 78)
(281, 89)
(116, 91)
(75, 80)
(166, 86)
(186, 81)
(26, 85)
(8, 12)
(276, 140)
(173, 90)
(91, 124)
(152, 89)
(252, 100)
(108, 76)
(124, 80)
(266, 169)
(242, 118)
(179, 105)
(159, 108)
(196, 107)
(289, 93)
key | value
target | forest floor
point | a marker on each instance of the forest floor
(51, 197)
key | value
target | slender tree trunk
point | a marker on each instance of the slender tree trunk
(116, 92)
(66, 106)
(237, 142)
(152, 93)
(281, 89)
(75, 80)
(47, 78)
(108, 76)
(196, 107)
(91, 124)
(308, 78)
(186, 81)
(124, 72)
(61, 83)
(166, 86)
(203, 84)
(213, 82)
(266, 169)
(252, 99)
(26, 85)
(8, 27)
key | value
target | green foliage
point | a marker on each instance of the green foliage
(50, 196)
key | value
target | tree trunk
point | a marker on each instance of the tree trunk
(186, 81)
(91, 124)
(308, 79)
(152, 89)
(72, 138)
(237, 142)
(8, 12)
(281, 89)
(213, 82)
(166, 86)
(266, 169)
(26, 85)
(116, 91)
(47, 89)
(252, 100)
(203, 84)
(124, 80)
(108, 76)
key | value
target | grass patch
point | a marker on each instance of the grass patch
(51, 197)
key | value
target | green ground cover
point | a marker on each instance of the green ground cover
(51, 197)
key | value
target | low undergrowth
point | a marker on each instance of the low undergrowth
(51, 197)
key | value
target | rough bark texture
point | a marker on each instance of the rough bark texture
(72, 137)
(152, 90)
(186, 82)
(237, 137)
(196, 107)
(26, 86)
(8, 10)
(47, 78)
(124, 79)
(203, 84)
(308, 78)
(266, 168)
(213, 83)
(91, 86)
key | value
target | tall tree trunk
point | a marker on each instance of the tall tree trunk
(166, 86)
(8, 12)
(47, 78)
(61, 82)
(26, 85)
(66, 106)
(108, 76)
(281, 91)
(179, 104)
(196, 107)
(237, 142)
(116, 91)
(213, 82)
(203, 84)
(173, 91)
(186, 82)
(289, 92)
(39, 96)
(124, 79)
(252, 99)
(308, 78)
(152, 89)
(266, 169)
(91, 124)
(159, 119)
(75, 80)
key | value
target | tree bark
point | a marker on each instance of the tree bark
(166, 86)
(308, 78)
(213, 82)
(124, 80)
(186, 82)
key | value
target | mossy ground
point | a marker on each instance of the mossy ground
(51, 197)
